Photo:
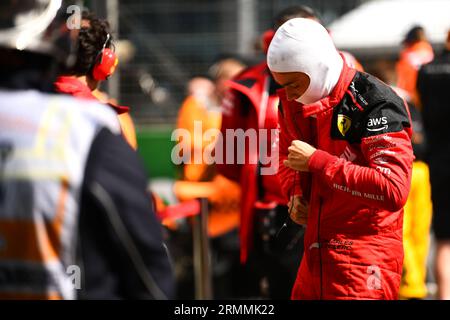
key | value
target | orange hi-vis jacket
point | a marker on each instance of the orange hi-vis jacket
(411, 59)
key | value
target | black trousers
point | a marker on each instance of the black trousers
(440, 189)
(273, 263)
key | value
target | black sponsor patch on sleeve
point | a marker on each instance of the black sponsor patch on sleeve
(385, 118)
(369, 108)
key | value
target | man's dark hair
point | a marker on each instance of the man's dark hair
(297, 11)
(415, 34)
(92, 37)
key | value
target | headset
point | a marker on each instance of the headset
(105, 63)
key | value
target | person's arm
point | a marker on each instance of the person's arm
(233, 117)
(287, 177)
(384, 182)
(121, 245)
(290, 179)
(384, 185)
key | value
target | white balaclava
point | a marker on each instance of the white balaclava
(304, 45)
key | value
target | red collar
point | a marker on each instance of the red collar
(330, 101)
(119, 109)
(74, 87)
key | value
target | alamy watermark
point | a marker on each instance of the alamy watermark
(236, 146)
(74, 274)
(74, 20)
(374, 278)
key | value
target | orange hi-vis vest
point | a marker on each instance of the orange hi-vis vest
(411, 59)
(44, 143)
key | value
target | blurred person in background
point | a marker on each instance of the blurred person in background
(351, 134)
(418, 212)
(201, 106)
(416, 52)
(200, 113)
(222, 71)
(96, 63)
(75, 218)
(418, 208)
(433, 86)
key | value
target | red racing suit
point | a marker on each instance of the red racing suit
(249, 92)
(357, 185)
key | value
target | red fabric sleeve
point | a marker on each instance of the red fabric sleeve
(383, 183)
(232, 118)
(286, 175)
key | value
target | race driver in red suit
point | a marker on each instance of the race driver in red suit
(270, 244)
(345, 148)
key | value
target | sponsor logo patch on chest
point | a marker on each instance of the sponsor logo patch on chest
(343, 123)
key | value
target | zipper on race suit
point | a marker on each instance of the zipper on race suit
(315, 140)
(320, 248)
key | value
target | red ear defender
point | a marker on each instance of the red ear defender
(106, 65)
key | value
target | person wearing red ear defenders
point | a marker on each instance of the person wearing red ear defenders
(106, 62)
(96, 62)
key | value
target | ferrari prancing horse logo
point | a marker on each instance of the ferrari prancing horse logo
(343, 124)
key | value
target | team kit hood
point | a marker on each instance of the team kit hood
(303, 45)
